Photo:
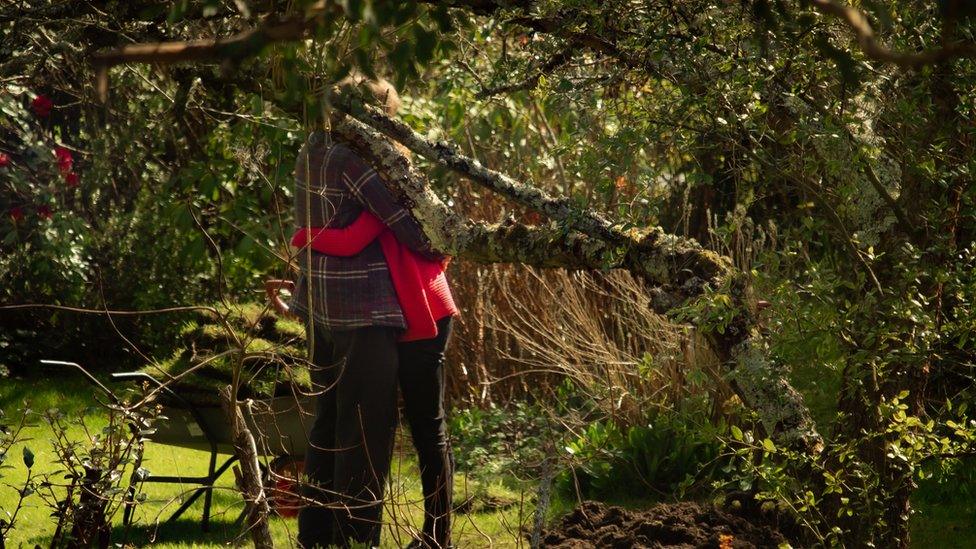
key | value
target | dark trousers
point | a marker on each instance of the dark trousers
(422, 386)
(351, 440)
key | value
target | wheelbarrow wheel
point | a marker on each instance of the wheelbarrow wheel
(283, 484)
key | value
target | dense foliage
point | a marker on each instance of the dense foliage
(837, 175)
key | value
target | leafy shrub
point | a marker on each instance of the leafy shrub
(102, 218)
(499, 440)
(94, 478)
(673, 453)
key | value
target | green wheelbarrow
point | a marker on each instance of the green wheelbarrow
(279, 425)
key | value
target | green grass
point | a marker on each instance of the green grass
(482, 527)
(944, 525)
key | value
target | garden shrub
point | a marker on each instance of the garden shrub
(672, 453)
(499, 440)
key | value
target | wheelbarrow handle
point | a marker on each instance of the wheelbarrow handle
(272, 289)
(129, 376)
(87, 374)
(185, 404)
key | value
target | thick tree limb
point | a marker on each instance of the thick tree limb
(660, 258)
(506, 242)
(585, 241)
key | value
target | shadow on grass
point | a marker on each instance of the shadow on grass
(67, 391)
(185, 530)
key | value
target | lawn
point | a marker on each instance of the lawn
(74, 396)
(934, 525)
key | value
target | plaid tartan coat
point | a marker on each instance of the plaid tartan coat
(332, 186)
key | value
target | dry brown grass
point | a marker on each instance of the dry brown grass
(523, 331)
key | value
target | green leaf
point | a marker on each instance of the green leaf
(736, 432)
(28, 457)
(177, 11)
(426, 42)
(769, 446)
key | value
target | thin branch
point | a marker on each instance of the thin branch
(191, 308)
(531, 82)
(589, 40)
(241, 46)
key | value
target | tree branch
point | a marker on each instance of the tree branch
(234, 48)
(531, 82)
(586, 242)
(857, 21)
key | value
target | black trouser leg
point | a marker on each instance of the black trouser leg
(422, 385)
(362, 408)
(365, 428)
(316, 524)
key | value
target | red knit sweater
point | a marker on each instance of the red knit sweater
(420, 283)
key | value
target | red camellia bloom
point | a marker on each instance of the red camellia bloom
(42, 105)
(44, 211)
(65, 160)
(4, 160)
(17, 213)
(71, 178)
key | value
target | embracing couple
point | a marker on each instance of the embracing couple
(378, 312)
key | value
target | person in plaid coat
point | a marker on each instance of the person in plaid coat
(355, 321)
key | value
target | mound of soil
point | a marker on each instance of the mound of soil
(685, 525)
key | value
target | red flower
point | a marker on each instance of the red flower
(17, 213)
(65, 161)
(4, 160)
(42, 106)
(44, 211)
(71, 178)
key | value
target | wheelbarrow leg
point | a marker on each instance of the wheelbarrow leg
(130, 502)
(206, 487)
(208, 497)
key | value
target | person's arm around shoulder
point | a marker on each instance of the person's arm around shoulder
(368, 187)
(343, 242)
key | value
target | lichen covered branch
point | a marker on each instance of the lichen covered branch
(680, 267)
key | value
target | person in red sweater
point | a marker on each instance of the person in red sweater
(379, 311)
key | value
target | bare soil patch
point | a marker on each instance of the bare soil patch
(683, 525)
